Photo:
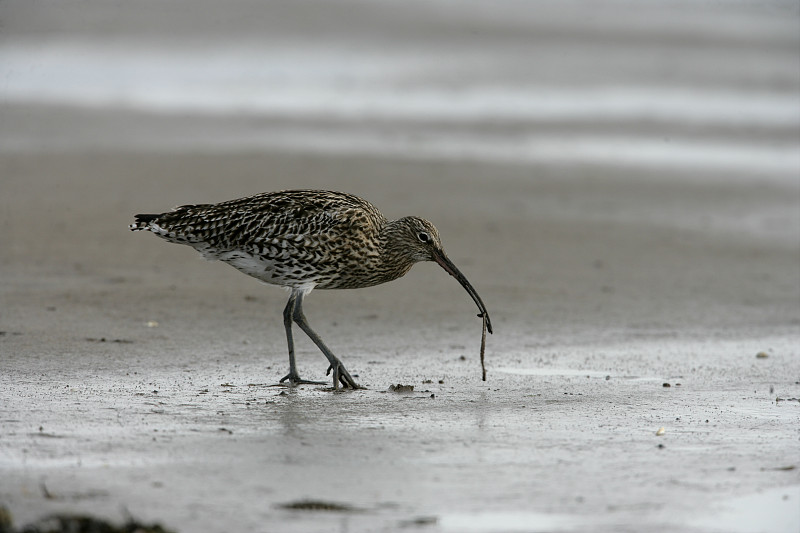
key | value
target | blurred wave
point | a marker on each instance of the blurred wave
(710, 88)
(324, 83)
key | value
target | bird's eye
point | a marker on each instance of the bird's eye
(423, 237)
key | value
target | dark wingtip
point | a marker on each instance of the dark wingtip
(142, 221)
(144, 218)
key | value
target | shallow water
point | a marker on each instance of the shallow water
(570, 372)
(510, 522)
(770, 511)
(530, 83)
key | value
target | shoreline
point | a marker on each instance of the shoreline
(582, 276)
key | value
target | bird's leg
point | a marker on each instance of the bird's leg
(293, 376)
(340, 373)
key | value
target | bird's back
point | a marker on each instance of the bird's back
(297, 238)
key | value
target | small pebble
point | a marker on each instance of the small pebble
(660, 432)
(762, 355)
(666, 385)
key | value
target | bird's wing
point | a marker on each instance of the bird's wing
(264, 218)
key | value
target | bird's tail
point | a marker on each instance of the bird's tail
(142, 222)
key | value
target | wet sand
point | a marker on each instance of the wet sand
(596, 302)
(629, 293)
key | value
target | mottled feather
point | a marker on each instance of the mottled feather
(299, 239)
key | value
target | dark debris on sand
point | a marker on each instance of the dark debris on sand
(319, 505)
(63, 523)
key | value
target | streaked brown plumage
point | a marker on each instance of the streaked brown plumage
(306, 239)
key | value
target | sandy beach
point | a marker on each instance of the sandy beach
(635, 262)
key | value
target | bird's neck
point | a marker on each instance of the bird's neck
(395, 257)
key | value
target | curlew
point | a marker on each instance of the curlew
(305, 240)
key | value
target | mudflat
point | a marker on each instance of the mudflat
(619, 185)
(136, 375)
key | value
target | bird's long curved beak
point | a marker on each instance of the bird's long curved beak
(445, 263)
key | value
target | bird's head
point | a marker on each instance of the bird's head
(418, 240)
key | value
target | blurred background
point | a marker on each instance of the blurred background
(638, 151)
(637, 158)
(678, 85)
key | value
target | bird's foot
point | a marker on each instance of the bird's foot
(340, 374)
(294, 380)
